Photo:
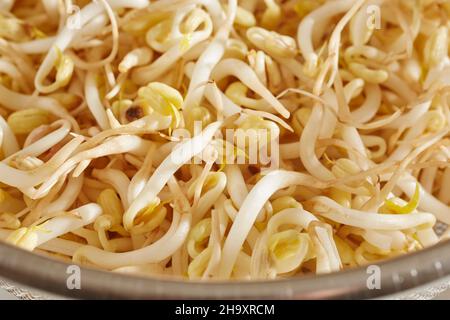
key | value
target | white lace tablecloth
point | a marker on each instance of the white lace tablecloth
(437, 290)
(8, 291)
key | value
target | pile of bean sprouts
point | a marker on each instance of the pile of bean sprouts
(355, 93)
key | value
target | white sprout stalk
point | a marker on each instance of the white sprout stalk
(308, 143)
(60, 246)
(93, 101)
(328, 259)
(209, 59)
(329, 121)
(25, 179)
(228, 106)
(232, 213)
(67, 197)
(115, 44)
(308, 32)
(377, 142)
(36, 46)
(223, 218)
(182, 201)
(351, 136)
(236, 186)
(244, 73)
(414, 132)
(428, 202)
(249, 210)
(114, 145)
(259, 263)
(385, 240)
(427, 237)
(198, 183)
(179, 156)
(117, 179)
(9, 144)
(137, 57)
(369, 220)
(59, 225)
(428, 176)
(65, 36)
(156, 252)
(215, 245)
(335, 38)
(17, 101)
(400, 87)
(216, 12)
(161, 65)
(141, 177)
(410, 118)
(56, 245)
(206, 201)
(43, 144)
(370, 106)
(182, 47)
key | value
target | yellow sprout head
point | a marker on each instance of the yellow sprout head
(161, 98)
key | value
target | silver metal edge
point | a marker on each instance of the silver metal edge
(397, 274)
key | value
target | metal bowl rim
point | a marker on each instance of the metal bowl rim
(396, 274)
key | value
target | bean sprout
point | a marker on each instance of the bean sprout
(213, 140)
